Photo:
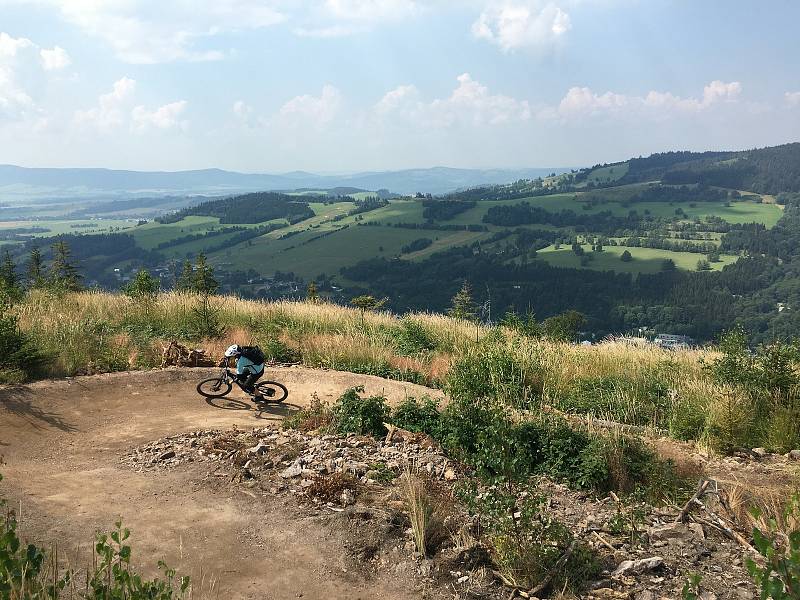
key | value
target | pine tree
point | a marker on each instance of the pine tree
(204, 282)
(63, 273)
(35, 268)
(462, 306)
(8, 272)
(185, 281)
(312, 295)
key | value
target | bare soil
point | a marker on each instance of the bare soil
(62, 442)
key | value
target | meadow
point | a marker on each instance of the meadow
(644, 260)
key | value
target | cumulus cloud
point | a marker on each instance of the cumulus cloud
(792, 98)
(111, 109)
(146, 31)
(582, 101)
(470, 103)
(23, 67)
(114, 110)
(316, 110)
(163, 117)
(54, 59)
(513, 25)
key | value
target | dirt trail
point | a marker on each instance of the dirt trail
(62, 442)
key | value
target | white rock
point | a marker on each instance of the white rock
(630, 567)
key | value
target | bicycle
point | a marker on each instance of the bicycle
(219, 387)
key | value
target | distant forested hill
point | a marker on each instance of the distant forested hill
(764, 170)
(249, 208)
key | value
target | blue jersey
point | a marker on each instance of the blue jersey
(245, 365)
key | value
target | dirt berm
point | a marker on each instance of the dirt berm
(62, 442)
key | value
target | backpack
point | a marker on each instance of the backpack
(254, 354)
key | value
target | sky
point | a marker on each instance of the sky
(336, 86)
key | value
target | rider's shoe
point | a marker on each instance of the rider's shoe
(258, 398)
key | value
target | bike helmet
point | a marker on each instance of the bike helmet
(233, 351)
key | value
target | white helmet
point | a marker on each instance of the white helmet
(233, 351)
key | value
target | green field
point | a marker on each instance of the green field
(645, 260)
(607, 174)
(152, 234)
(308, 257)
(59, 227)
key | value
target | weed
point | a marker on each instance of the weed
(364, 416)
(426, 525)
(318, 415)
(420, 416)
(779, 575)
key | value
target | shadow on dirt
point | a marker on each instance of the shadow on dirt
(19, 402)
(270, 411)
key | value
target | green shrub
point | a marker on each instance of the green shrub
(779, 575)
(783, 431)
(420, 415)
(364, 416)
(20, 358)
(531, 549)
(411, 338)
(275, 350)
(491, 369)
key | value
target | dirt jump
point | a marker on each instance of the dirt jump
(61, 442)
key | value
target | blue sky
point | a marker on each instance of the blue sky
(347, 85)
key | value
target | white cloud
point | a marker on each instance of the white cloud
(55, 59)
(792, 98)
(582, 101)
(20, 73)
(512, 25)
(149, 31)
(111, 109)
(164, 117)
(317, 110)
(470, 103)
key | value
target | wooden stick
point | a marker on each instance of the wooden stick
(683, 516)
(603, 541)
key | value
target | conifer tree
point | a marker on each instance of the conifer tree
(312, 295)
(8, 272)
(35, 268)
(185, 281)
(63, 272)
(462, 306)
(204, 282)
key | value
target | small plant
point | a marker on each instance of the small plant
(364, 416)
(420, 416)
(318, 415)
(426, 526)
(366, 303)
(778, 577)
(691, 589)
(143, 288)
(628, 521)
(412, 339)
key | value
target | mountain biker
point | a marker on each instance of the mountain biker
(247, 371)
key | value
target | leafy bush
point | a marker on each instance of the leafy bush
(779, 576)
(318, 415)
(19, 356)
(532, 550)
(420, 415)
(411, 338)
(276, 350)
(491, 369)
(364, 416)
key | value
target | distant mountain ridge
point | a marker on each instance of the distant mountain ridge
(63, 182)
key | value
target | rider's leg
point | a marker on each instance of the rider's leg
(249, 384)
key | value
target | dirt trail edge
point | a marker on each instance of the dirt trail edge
(62, 442)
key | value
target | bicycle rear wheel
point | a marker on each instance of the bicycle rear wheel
(216, 387)
(273, 391)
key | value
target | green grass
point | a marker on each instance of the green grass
(150, 235)
(606, 174)
(59, 227)
(308, 257)
(645, 260)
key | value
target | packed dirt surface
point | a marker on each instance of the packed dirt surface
(62, 442)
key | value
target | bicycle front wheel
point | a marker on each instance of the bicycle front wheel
(216, 387)
(273, 391)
